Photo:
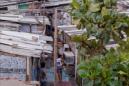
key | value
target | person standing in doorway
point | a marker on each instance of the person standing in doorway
(43, 78)
(59, 67)
(43, 81)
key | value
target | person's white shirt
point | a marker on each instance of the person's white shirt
(59, 62)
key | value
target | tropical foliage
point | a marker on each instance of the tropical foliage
(101, 67)
(111, 69)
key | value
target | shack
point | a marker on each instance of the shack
(19, 51)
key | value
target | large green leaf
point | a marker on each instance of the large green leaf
(106, 37)
(99, 19)
(113, 2)
(90, 83)
(94, 7)
(75, 4)
(86, 2)
(126, 30)
(105, 11)
(116, 36)
(83, 73)
(115, 83)
(107, 3)
(122, 73)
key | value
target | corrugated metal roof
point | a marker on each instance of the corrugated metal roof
(12, 2)
(71, 30)
(4, 2)
(123, 5)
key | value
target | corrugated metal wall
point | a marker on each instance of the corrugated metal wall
(12, 67)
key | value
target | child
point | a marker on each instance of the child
(59, 67)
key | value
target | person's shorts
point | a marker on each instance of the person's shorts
(43, 83)
(59, 70)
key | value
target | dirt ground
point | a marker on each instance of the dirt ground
(14, 83)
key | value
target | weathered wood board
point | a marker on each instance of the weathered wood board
(27, 36)
(19, 51)
(25, 44)
(5, 37)
(25, 19)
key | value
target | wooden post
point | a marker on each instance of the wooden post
(28, 69)
(55, 44)
(44, 10)
(76, 60)
(30, 28)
